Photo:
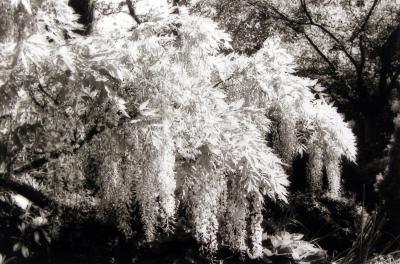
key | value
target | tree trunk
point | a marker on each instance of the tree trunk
(390, 189)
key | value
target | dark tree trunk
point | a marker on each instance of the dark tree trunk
(390, 189)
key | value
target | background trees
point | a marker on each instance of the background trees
(351, 47)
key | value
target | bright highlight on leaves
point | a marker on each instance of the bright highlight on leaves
(172, 121)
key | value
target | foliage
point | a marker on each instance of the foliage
(352, 47)
(148, 111)
(389, 259)
(33, 232)
(346, 37)
(368, 235)
(292, 245)
(4, 259)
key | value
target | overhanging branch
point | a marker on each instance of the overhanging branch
(38, 163)
(25, 190)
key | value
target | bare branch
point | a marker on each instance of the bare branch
(366, 19)
(229, 78)
(362, 52)
(38, 163)
(132, 11)
(329, 33)
(293, 24)
(324, 57)
(41, 88)
(308, 14)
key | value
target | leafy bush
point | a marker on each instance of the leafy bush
(150, 111)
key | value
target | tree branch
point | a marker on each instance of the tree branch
(359, 70)
(362, 53)
(36, 196)
(5, 116)
(132, 11)
(28, 191)
(45, 201)
(38, 163)
(41, 88)
(366, 19)
(311, 22)
(25, 190)
(308, 38)
(308, 14)
(324, 57)
(329, 33)
(35, 101)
